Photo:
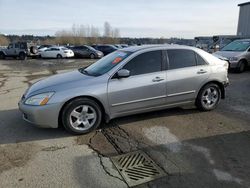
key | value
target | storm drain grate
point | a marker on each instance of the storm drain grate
(137, 168)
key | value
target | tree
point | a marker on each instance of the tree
(107, 30)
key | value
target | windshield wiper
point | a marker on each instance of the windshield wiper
(83, 71)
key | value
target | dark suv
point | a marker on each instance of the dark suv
(105, 48)
(85, 51)
(19, 49)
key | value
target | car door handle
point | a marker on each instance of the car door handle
(157, 79)
(202, 71)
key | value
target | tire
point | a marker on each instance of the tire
(22, 56)
(59, 56)
(2, 55)
(242, 66)
(33, 49)
(92, 56)
(81, 116)
(206, 100)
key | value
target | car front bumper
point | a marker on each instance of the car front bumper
(42, 116)
(99, 56)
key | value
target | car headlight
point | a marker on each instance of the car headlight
(40, 99)
(233, 59)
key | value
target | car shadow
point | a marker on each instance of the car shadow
(151, 115)
(14, 129)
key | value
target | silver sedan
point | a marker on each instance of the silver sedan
(128, 81)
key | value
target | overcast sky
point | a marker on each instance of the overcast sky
(134, 18)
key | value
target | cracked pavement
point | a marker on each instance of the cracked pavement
(195, 149)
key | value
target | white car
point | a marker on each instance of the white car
(57, 52)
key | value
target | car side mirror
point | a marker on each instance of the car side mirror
(123, 73)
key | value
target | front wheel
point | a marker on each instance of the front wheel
(81, 116)
(2, 55)
(92, 56)
(242, 66)
(208, 97)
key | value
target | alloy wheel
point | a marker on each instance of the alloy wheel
(83, 117)
(210, 97)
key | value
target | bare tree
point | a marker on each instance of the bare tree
(116, 33)
(107, 30)
(85, 34)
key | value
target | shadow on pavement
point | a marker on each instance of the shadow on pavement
(220, 161)
(14, 129)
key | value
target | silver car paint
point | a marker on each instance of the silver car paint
(120, 97)
(239, 55)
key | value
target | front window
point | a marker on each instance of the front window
(238, 46)
(145, 63)
(105, 64)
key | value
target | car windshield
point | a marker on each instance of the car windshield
(91, 48)
(238, 46)
(105, 64)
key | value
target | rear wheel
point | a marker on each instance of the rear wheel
(81, 116)
(22, 56)
(59, 56)
(2, 56)
(208, 97)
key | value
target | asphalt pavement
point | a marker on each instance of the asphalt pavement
(193, 148)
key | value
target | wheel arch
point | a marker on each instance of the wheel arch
(3, 52)
(105, 115)
(221, 86)
(244, 60)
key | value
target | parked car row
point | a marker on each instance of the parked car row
(22, 50)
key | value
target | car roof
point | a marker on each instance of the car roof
(244, 40)
(157, 46)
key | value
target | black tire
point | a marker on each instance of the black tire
(2, 55)
(67, 119)
(22, 56)
(92, 56)
(59, 56)
(242, 66)
(201, 98)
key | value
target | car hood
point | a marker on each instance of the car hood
(227, 54)
(57, 80)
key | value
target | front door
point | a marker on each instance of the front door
(145, 88)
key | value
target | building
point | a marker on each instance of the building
(244, 20)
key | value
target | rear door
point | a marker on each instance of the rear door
(145, 88)
(186, 72)
(85, 51)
